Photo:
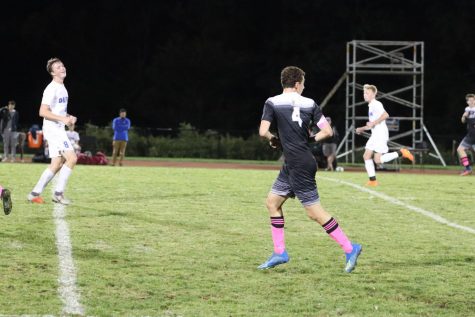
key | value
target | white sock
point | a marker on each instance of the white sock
(370, 168)
(389, 157)
(63, 176)
(45, 178)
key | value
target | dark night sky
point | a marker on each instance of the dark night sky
(213, 63)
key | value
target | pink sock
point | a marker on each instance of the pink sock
(335, 232)
(465, 162)
(1, 190)
(277, 228)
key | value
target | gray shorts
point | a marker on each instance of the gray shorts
(298, 182)
(468, 142)
(329, 149)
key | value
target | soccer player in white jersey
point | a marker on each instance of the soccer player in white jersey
(378, 142)
(53, 110)
(294, 115)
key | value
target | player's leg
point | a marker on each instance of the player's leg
(279, 193)
(70, 159)
(122, 147)
(464, 160)
(6, 145)
(303, 182)
(387, 157)
(274, 204)
(115, 151)
(331, 156)
(369, 166)
(5, 195)
(54, 148)
(13, 144)
(352, 250)
(35, 195)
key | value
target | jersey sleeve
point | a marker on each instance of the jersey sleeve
(379, 108)
(48, 96)
(268, 112)
(318, 118)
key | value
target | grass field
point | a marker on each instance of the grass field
(186, 242)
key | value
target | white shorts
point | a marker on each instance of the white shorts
(377, 144)
(58, 142)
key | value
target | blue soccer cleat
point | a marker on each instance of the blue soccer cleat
(274, 260)
(352, 257)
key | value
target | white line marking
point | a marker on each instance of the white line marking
(67, 272)
(395, 201)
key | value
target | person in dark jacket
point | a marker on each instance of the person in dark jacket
(9, 129)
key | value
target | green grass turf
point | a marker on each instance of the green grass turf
(186, 242)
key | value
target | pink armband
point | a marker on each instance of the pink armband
(322, 122)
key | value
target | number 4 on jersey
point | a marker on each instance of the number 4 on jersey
(296, 116)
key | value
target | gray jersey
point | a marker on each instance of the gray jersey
(294, 116)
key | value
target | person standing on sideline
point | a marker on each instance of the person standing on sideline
(378, 142)
(9, 128)
(329, 146)
(53, 109)
(468, 142)
(294, 114)
(121, 126)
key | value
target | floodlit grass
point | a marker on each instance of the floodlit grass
(186, 242)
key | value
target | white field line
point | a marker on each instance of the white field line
(67, 273)
(395, 201)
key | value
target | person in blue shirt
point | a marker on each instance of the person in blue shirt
(121, 126)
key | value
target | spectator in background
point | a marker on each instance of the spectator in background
(121, 126)
(329, 146)
(73, 137)
(9, 127)
(468, 142)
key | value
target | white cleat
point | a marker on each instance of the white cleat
(60, 199)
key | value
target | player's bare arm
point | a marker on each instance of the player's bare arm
(45, 112)
(464, 116)
(370, 125)
(324, 133)
(266, 134)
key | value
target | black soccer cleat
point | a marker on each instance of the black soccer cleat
(7, 201)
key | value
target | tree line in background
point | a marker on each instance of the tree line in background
(188, 143)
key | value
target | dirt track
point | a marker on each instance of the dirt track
(405, 170)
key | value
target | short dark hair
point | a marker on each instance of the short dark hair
(122, 110)
(291, 75)
(469, 96)
(49, 64)
(12, 102)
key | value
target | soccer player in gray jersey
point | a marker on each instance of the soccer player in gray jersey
(468, 141)
(294, 115)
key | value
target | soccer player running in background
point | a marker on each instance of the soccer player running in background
(294, 114)
(378, 142)
(53, 109)
(468, 142)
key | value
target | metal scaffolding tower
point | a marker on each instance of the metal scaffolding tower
(401, 91)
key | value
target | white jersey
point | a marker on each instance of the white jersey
(375, 110)
(56, 97)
